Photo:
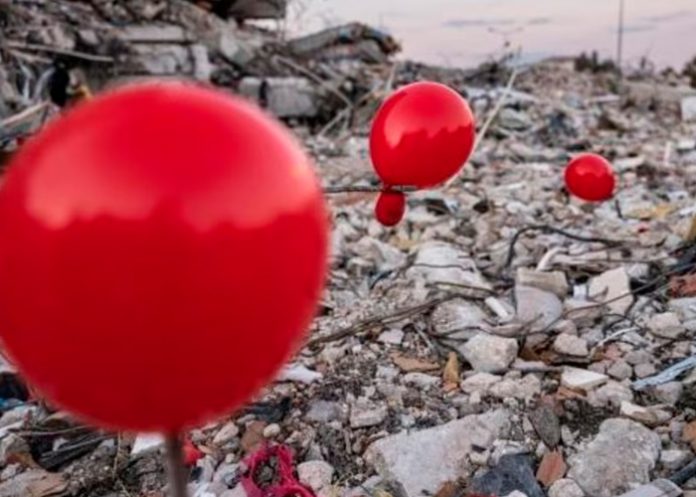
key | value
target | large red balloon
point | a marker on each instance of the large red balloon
(422, 135)
(590, 177)
(163, 250)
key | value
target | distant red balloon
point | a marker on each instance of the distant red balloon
(390, 208)
(422, 135)
(163, 250)
(590, 177)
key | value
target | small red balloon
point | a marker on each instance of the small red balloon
(590, 177)
(390, 208)
(163, 250)
(422, 135)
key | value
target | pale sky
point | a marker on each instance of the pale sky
(458, 32)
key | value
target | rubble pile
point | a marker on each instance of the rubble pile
(505, 339)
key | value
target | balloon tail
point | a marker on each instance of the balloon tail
(178, 474)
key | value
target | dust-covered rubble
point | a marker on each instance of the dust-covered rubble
(572, 325)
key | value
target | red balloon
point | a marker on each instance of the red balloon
(590, 177)
(390, 208)
(422, 135)
(163, 250)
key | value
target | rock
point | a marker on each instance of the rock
(514, 472)
(440, 262)
(271, 431)
(581, 379)
(233, 49)
(669, 393)
(514, 120)
(213, 489)
(636, 357)
(13, 448)
(675, 459)
(489, 353)
(423, 461)
(566, 326)
(151, 33)
(363, 414)
(202, 67)
(162, 59)
(571, 345)
(253, 437)
(550, 281)
(420, 380)
(316, 474)
(522, 389)
(666, 325)
(385, 256)
(516, 493)
(547, 425)
(227, 474)
(480, 382)
(611, 394)
(611, 285)
(146, 443)
(392, 337)
(321, 411)
(226, 434)
(537, 307)
(297, 373)
(620, 370)
(644, 370)
(684, 307)
(649, 416)
(566, 488)
(33, 483)
(552, 468)
(452, 318)
(621, 456)
(688, 109)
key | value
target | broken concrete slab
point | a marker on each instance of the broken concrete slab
(489, 353)
(582, 379)
(621, 456)
(614, 288)
(550, 281)
(284, 97)
(422, 461)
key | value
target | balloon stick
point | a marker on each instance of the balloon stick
(175, 466)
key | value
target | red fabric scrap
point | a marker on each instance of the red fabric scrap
(279, 459)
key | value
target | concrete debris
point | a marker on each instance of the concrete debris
(688, 108)
(285, 97)
(536, 308)
(622, 455)
(581, 379)
(489, 353)
(317, 475)
(363, 414)
(552, 281)
(649, 416)
(422, 461)
(299, 374)
(568, 314)
(666, 325)
(566, 488)
(612, 287)
(571, 345)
